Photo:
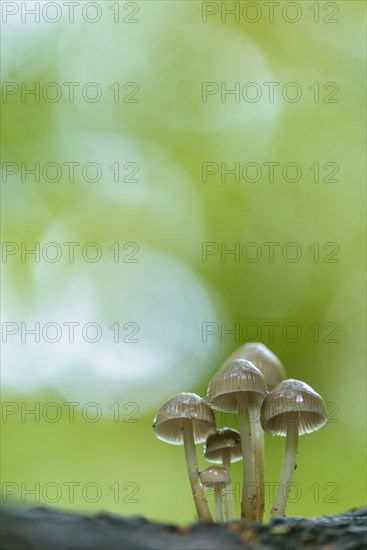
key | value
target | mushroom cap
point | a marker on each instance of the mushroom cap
(265, 360)
(214, 475)
(291, 401)
(220, 440)
(184, 407)
(235, 378)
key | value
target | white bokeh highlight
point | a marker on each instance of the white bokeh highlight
(165, 300)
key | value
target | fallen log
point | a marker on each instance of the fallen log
(52, 529)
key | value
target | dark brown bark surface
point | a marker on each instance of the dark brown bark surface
(51, 529)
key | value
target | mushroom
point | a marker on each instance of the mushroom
(187, 419)
(264, 359)
(224, 447)
(234, 388)
(219, 478)
(293, 408)
(273, 371)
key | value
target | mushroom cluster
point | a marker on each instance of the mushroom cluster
(251, 384)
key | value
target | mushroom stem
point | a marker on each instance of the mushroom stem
(228, 491)
(198, 493)
(249, 485)
(218, 503)
(258, 444)
(289, 465)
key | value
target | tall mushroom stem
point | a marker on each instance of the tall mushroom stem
(228, 491)
(198, 493)
(249, 484)
(289, 465)
(258, 444)
(218, 502)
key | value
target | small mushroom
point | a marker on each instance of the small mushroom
(273, 371)
(224, 447)
(234, 388)
(264, 359)
(187, 419)
(218, 478)
(293, 408)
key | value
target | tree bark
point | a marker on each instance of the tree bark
(47, 528)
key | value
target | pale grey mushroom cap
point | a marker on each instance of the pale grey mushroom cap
(214, 475)
(221, 440)
(293, 401)
(184, 407)
(235, 378)
(264, 359)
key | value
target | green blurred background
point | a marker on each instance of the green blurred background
(167, 51)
